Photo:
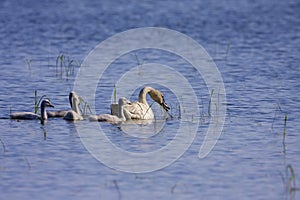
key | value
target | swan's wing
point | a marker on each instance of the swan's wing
(93, 118)
(59, 113)
(72, 116)
(24, 115)
(108, 118)
(114, 108)
(105, 118)
(137, 110)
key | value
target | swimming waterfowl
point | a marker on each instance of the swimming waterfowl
(75, 113)
(59, 113)
(112, 118)
(62, 113)
(141, 109)
(30, 115)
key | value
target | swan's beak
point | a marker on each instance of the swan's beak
(165, 106)
(47, 103)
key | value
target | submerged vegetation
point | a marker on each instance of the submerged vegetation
(221, 54)
(84, 107)
(289, 181)
(277, 109)
(3, 145)
(29, 61)
(65, 66)
(289, 178)
(209, 102)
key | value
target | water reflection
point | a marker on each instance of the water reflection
(45, 133)
(142, 128)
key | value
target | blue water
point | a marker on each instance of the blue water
(256, 46)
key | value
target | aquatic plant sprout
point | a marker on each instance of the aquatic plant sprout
(99, 59)
(37, 101)
(65, 65)
(284, 128)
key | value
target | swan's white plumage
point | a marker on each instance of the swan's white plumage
(112, 118)
(75, 113)
(141, 110)
(71, 115)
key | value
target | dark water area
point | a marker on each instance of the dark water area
(256, 47)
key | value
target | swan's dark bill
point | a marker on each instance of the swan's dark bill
(165, 106)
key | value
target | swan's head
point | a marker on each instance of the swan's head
(46, 103)
(158, 97)
(123, 101)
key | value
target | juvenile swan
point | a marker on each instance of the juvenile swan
(59, 113)
(62, 113)
(30, 115)
(75, 113)
(141, 109)
(112, 118)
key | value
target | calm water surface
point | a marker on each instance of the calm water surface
(256, 46)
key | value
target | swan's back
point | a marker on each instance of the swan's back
(73, 100)
(112, 118)
(106, 118)
(30, 115)
(137, 110)
(24, 115)
(109, 118)
(60, 113)
(72, 116)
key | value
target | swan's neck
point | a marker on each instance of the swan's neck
(76, 106)
(143, 94)
(121, 113)
(43, 113)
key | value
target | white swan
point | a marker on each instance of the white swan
(141, 109)
(112, 118)
(30, 115)
(75, 113)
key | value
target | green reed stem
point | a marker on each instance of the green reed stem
(284, 127)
